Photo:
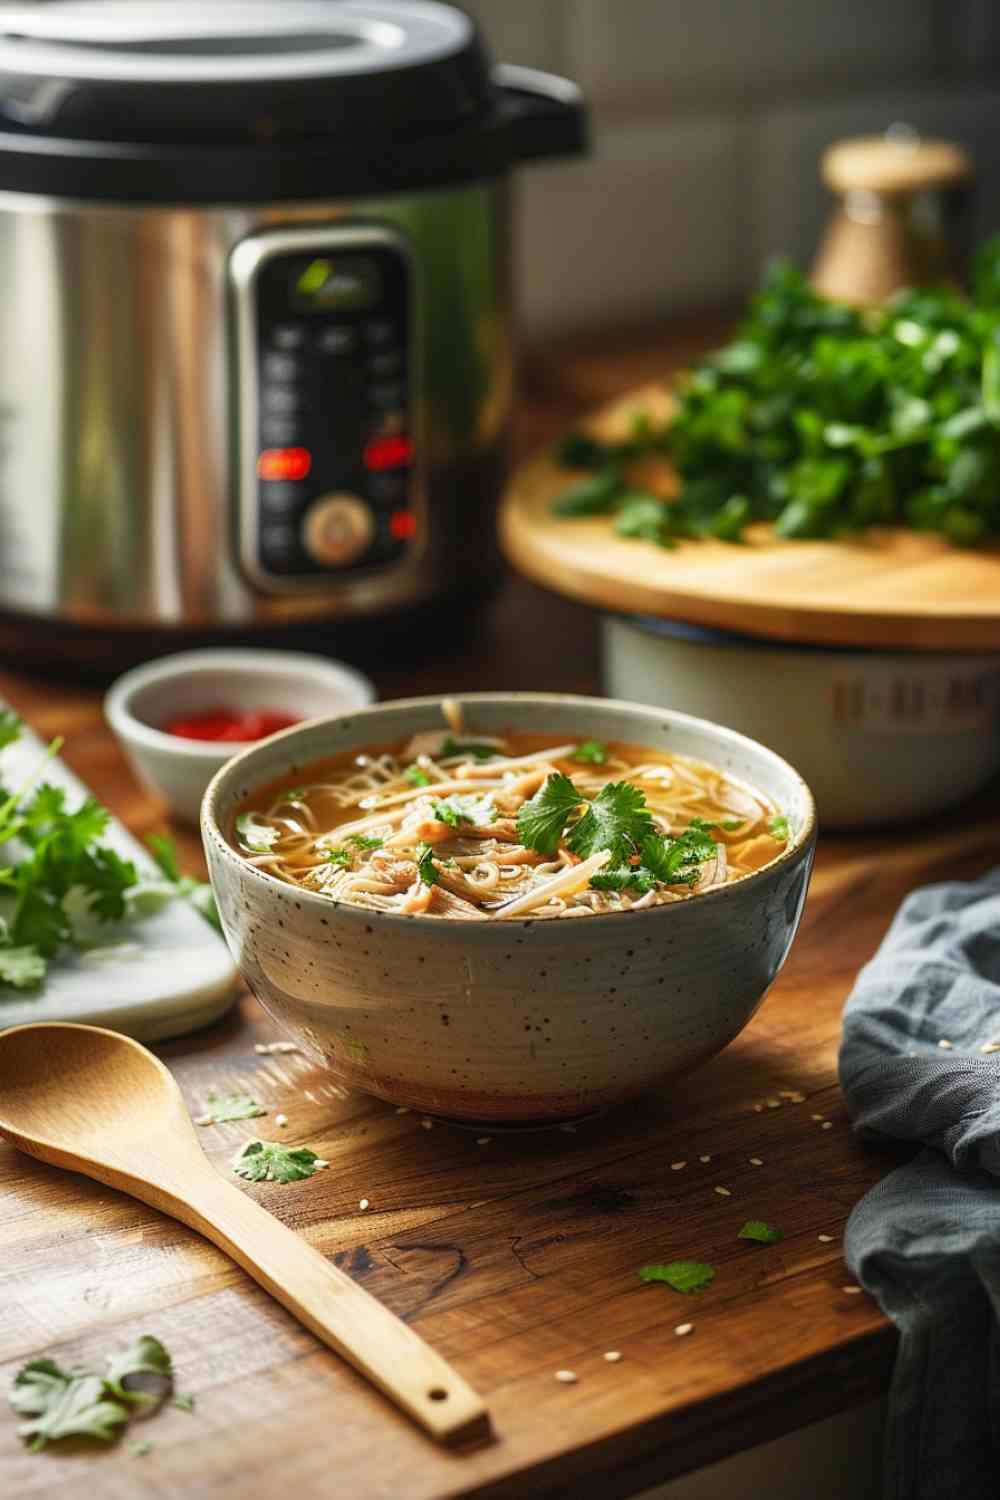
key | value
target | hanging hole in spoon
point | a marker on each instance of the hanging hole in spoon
(438, 1393)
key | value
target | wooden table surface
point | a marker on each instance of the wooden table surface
(515, 1258)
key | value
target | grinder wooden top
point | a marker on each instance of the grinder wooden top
(887, 587)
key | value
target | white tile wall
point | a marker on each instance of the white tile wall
(646, 224)
(620, 48)
(790, 205)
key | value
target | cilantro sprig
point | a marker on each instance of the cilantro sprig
(764, 1234)
(270, 1161)
(456, 810)
(683, 1275)
(58, 1403)
(590, 753)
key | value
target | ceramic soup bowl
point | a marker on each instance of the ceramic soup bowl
(519, 1021)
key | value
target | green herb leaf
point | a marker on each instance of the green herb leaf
(590, 753)
(10, 727)
(764, 1234)
(340, 856)
(164, 851)
(595, 496)
(426, 869)
(141, 1375)
(682, 1275)
(197, 892)
(468, 747)
(141, 1448)
(269, 1161)
(364, 841)
(541, 820)
(479, 811)
(184, 1402)
(416, 776)
(778, 828)
(23, 968)
(617, 819)
(225, 1107)
(61, 1404)
(254, 835)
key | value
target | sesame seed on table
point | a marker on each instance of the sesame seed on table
(518, 1262)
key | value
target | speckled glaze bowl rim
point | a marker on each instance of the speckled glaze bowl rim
(239, 769)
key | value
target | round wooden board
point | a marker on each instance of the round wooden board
(885, 588)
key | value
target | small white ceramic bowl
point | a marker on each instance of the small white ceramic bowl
(192, 682)
(524, 1021)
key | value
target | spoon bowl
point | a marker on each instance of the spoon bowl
(93, 1101)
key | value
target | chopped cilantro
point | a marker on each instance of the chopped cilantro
(416, 776)
(140, 1449)
(254, 835)
(269, 1161)
(590, 753)
(225, 1107)
(364, 841)
(141, 1375)
(764, 1234)
(731, 824)
(465, 809)
(78, 1403)
(184, 1402)
(617, 819)
(682, 1275)
(425, 864)
(467, 747)
(340, 856)
(778, 828)
(541, 820)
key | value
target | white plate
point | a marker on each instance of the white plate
(175, 974)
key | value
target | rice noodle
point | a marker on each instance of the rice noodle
(362, 832)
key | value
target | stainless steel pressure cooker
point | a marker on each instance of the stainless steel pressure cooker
(256, 358)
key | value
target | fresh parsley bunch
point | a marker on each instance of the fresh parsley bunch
(823, 419)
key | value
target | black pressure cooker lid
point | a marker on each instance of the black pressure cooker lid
(200, 100)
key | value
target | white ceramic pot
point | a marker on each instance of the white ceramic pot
(520, 1021)
(881, 737)
(240, 678)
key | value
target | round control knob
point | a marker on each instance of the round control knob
(337, 529)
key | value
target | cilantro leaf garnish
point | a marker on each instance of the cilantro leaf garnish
(254, 835)
(778, 828)
(467, 747)
(617, 819)
(426, 869)
(225, 1107)
(682, 1275)
(339, 856)
(416, 776)
(269, 1161)
(364, 841)
(764, 1234)
(731, 824)
(61, 1404)
(465, 809)
(22, 968)
(141, 1375)
(10, 727)
(590, 753)
(541, 820)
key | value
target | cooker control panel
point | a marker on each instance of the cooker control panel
(327, 470)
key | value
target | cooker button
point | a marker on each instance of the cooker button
(335, 339)
(337, 529)
(380, 333)
(279, 399)
(279, 432)
(281, 367)
(278, 545)
(288, 336)
(280, 497)
(388, 362)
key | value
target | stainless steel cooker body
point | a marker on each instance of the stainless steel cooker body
(127, 440)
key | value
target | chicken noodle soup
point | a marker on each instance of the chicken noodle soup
(451, 823)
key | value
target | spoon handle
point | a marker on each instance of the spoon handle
(334, 1308)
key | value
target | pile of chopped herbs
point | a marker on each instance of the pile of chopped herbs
(823, 419)
(59, 883)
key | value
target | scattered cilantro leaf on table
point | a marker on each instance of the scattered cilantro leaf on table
(140, 1449)
(225, 1107)
(269, 1161)
(184, 1402)
(764, 1234)
(682, 1275)
(78, 1403)
(147, 1366)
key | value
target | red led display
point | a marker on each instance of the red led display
(284, 463)
(387, 453)
(402, 524)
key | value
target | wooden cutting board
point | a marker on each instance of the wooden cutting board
(887, 587)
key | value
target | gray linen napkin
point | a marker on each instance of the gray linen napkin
(926, 1241)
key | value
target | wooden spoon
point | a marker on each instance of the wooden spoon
(99, 1103)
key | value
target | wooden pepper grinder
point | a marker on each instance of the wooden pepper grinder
(901, 217)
